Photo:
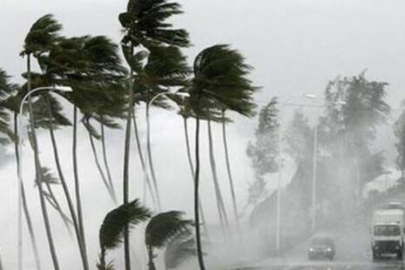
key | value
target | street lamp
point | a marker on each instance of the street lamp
(19, 167)
(181, 94)
(315, 161)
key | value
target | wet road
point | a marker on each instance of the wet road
(390, 265)
(353, 252)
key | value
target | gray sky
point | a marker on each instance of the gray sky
(295, 46)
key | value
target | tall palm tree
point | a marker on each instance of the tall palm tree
(223, 216)
(145, 23)
(39, 39)
(219, 77)
(186, 113)
(161, 229)
(9, 103)
(166, 67)
(113, 227)
(147, 181)
(229, 171)
(91, 66)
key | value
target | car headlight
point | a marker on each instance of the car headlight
(329, 250)
(311, 249)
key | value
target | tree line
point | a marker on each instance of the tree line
(106, 91)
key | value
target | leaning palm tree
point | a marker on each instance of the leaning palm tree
(9, 103)
(165, 67)
(91, 66)
(219, 77)
(145, 23)
(39, 39)
(162, 229)
(113, 227)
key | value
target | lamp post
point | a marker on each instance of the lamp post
(314, 171)
(19, 167)
(149, 158)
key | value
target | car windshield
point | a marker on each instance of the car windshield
(386, 230)
(322, 242)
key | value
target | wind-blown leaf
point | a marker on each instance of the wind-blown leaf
(164, 227)
(112, 229)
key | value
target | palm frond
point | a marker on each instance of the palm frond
(41, 35)
(112, 229)
(164, 227)
(180, 249)
(220, 74)
(145, 22)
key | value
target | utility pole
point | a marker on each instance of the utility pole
(314, 175)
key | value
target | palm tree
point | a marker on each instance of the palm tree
(166, 67)
(9, 103)
(223, 216)
(147, 181)
(162, 229)
(145, 24)
(91, 66)
(186, 112)
(219, 77)
(179, 249)
(229, 171)
(113, 227)
(40, 38)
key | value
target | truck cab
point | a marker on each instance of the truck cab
(388, 233)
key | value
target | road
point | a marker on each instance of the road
(352, 253)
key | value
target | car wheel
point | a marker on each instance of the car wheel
(400, 255)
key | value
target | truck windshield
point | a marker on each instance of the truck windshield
(386, 230)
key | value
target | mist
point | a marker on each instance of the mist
(296, 48)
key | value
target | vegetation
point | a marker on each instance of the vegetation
(106, 96)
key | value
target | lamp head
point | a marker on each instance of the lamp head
(63, 88)
(182, 94)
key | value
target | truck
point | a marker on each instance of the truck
(388, 232)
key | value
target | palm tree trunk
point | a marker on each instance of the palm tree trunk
(151, 264)
(220, 202)
(152, 170)
(145, 172)
(106, 164)
(228, 167)
(190, 162)
(39, 175)
(196, 195)
(77, 185)
(51, 198)
(66, 192)
(24, 198)
(100, 170)
(126, 166)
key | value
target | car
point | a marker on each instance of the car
(321, 247)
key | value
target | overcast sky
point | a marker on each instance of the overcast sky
(295, 47)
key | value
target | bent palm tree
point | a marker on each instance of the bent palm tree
(112, 230)
(40, 38)
(145, 23)
(219, 77)
(9, 103)
(161, 229)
